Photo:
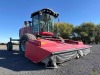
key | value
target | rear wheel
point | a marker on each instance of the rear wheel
(23, 40)
(9, 46)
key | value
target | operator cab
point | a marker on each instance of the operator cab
(43, 22)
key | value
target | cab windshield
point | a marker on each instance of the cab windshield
(46, 22)
(43, 22)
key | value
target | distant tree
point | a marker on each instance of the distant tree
(64, 29)
(76, 31)
(86, 31)
(97, 34)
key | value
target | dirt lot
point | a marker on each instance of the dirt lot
(13, 63)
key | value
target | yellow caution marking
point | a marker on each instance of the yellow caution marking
(43, 42)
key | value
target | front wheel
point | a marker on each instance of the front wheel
(23, 40)
(23, 45)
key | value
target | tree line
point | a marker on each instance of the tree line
(86, 32)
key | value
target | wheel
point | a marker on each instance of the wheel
(9, 46)
(23, 40)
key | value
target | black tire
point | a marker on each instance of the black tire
(23, 40)
(9, 46)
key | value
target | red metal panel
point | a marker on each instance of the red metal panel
(73, 42)
(47, 43)
(24, 30)
(65, 47)
(35, 53)
(53, 46)
(46, 33)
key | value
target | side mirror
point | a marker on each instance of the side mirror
(25, 23)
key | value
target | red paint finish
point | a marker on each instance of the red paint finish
(65, 47)
(73, 42)
(46, 33)
(66, 41)
(36, 53)
(48, 43)
(24, 30)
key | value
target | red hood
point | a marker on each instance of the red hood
(53, 46)
(39, 50)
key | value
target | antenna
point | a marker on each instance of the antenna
(58, 30)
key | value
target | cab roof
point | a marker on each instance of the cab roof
(46, 10)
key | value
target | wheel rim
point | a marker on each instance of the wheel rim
(23, 45)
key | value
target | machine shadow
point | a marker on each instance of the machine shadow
(17, 62)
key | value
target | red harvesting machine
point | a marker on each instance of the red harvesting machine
(39, 43)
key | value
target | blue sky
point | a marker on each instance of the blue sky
(14, 12)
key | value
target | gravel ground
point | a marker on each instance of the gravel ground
(12, 63)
